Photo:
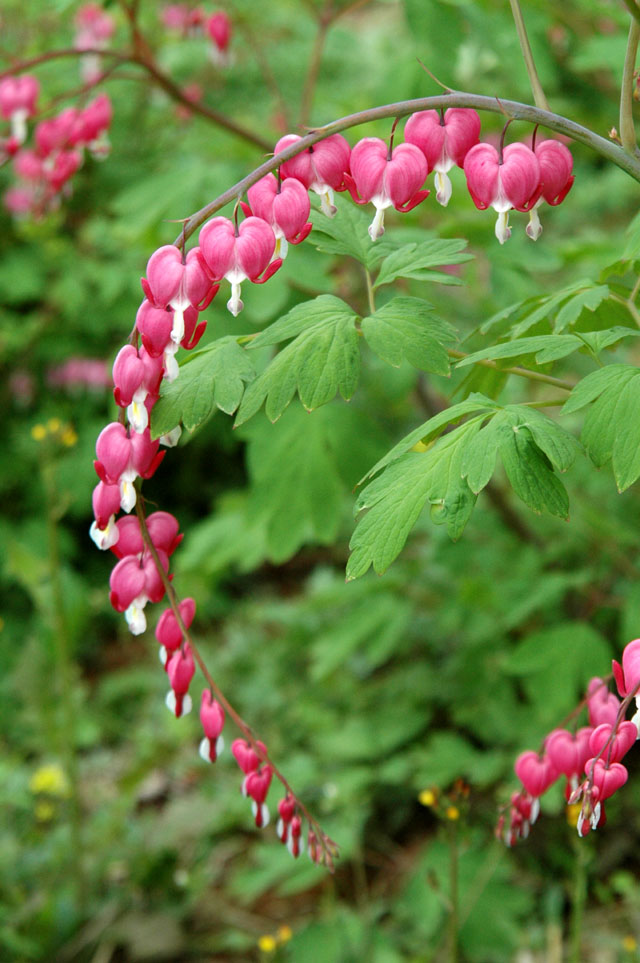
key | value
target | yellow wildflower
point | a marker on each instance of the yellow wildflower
(284, 934)
(38, 432)
(267, 943)
(50, 779)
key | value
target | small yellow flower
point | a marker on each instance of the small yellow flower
(284, 934)
(44, 811)
(68, 436)
(629, 944)
(427, 797)
(452, 813)
(38, 432)
(50, 779)
(54, 424)
(573, 813)
(267, 943)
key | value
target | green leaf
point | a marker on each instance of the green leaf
(429, 429)
(598, 340)
(594, 384)
(395, 499)
(589, 298)
(414, 261)
(213, 377)
(530, 476)
(611, 430)
(321, 310)
(479, 458)
(347, 233)
(322, 359)
(546, 347)
(406, 328)
(296, 488)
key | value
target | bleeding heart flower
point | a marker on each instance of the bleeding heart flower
(238, 253)
(536, 773)
(321, 168)
(444, 140)
(386, 178)
(505, 180)
(620, 744)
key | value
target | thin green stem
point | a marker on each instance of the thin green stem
(533, 115)
(452, 832)
(629, 304)
(536, 87)
(520, 372)
(578, 900)
(370, 292)
(64, 680)
(627, 128)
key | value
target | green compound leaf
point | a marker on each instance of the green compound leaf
(406, 328)
(395, 499)
(428, 430)
(323, 358)
(530, 445)
(416, 260)
(347, 233)
(212, 378)
(551, 347)
(563, 308)
(611, 430)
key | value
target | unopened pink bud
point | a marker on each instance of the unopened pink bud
(627, 675)
(128, 375)
(556, 165)
(113, 451)
(168, 632)
(106, 503)
(180, 669)
(246, 756)
(219, 29)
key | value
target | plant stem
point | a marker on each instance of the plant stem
(629, 304)
(627, 128)
(328, 847)
(324, 22)
(578, 900)
(370, 292)
(536, 87)
(521, 372)
(64, 680)
(452, 832)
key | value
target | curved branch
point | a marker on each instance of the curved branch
(327, 845)
(140, 58)
(517, 111)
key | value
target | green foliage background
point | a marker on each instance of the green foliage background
(369, 691)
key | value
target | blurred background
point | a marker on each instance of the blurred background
(394, 705)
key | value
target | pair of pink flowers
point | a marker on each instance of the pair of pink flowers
(518, 178)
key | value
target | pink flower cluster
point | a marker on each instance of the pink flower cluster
(178, 286)
(192, 21)
(44, 172)
(589, 758)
